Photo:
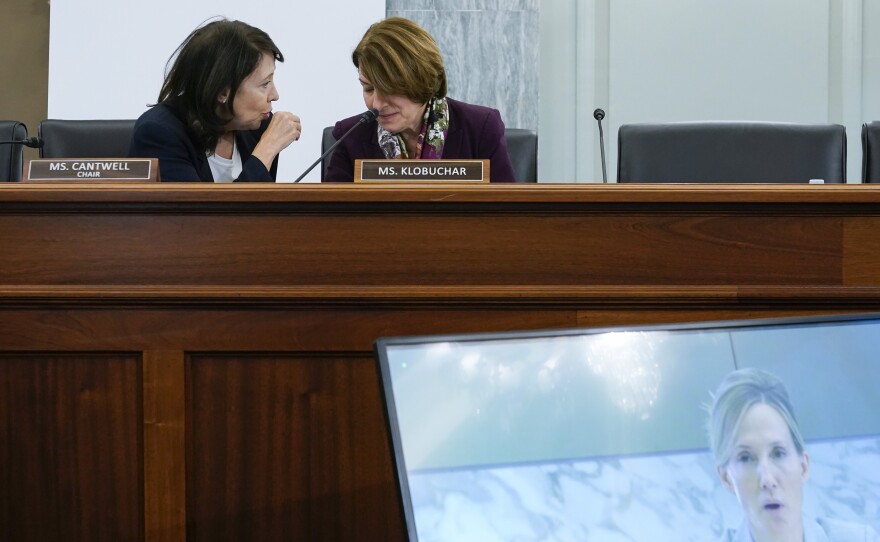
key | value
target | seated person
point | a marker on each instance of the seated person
(401, 71)
(214, 121)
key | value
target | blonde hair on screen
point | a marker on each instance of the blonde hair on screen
(737, 393)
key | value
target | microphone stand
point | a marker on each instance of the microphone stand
(599, 114)
(366, 117)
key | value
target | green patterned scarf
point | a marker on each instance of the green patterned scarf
(435, 125)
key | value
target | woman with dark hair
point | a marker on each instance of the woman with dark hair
(402, 76)
(213, 121)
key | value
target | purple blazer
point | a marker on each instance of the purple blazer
(475, 132)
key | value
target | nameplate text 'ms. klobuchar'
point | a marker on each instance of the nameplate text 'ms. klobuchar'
(383, 171)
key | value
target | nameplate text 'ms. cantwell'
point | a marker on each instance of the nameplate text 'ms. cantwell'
(92, 169)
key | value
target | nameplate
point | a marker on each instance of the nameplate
(92, 169)
(384, 171)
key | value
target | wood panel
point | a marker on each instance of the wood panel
(293, 448)
(249, 328)
(164, 445)
(862, 246)
(70, 449)
(478, 249)
(247, 405)
(614, 318)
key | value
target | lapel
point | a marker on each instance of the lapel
(452, 147)
(370, 148)
(202, 167)
(243, 144)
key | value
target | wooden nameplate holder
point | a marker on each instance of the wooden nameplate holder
(421, 171)
(92, 170)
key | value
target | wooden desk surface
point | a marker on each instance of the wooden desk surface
(194, 362)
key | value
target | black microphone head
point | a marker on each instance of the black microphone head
(370, 115)
(33, 142)
(599, 114)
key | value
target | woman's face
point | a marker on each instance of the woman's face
(396, 113)
(253, 101)
(767, 474)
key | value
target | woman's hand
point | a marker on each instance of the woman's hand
(283, 129)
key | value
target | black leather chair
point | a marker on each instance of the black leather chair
(871, 152)
(522, 145)
(731, 152)
(327, 140)
(11, 155)
(85, 138)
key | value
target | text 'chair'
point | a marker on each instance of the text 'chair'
(85, 138)
(11, 155)
(731, 152)
(871, 152)
(522, 145)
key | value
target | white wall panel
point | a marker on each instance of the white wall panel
(811, 61)
(871, 63)
(107, 58)
(557, 90)
(708, 60)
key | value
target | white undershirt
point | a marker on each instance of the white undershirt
(225, 170)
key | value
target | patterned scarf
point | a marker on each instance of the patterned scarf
(435, 125)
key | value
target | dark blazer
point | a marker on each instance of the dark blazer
(474, 132)
(161, 133)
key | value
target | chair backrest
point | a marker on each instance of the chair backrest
(11, 156)
(522, 145)
(871, 152)
(85, 138)
(730, 152)
(327, 140)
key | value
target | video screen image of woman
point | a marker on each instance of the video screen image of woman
(741, 431)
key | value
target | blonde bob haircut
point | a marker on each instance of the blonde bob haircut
(737, 393)
(400, 58)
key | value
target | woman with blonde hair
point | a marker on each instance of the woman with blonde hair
(761, 458)
(402, 76)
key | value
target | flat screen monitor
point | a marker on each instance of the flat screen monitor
(603, 434)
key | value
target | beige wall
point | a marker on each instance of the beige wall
(24, 62)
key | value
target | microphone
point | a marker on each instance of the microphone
(368, 116)
(599, 114)
(32, 142)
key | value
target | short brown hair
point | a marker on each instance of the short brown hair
(399, 57)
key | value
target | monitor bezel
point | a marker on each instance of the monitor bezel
(382, 344)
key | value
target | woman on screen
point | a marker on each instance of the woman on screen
(402, 76)
(760, 457)
(213, 121)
